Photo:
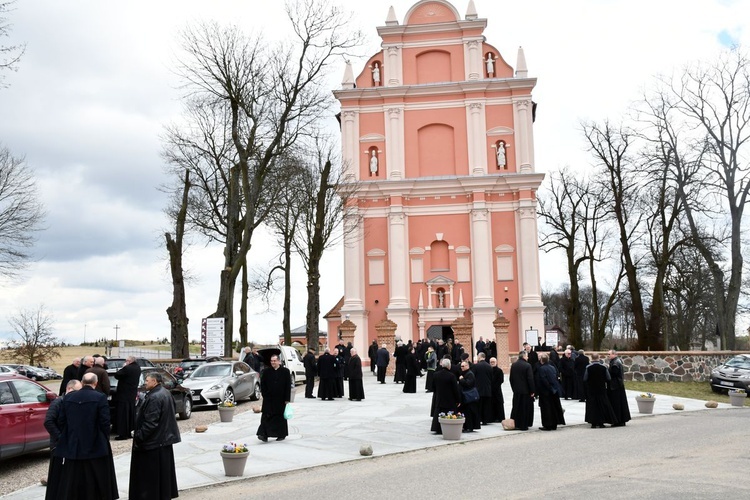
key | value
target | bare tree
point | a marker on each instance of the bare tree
(714, 102)
(321, 215)
(177, 312)
(21, 214)
(270, 97)
(10, 55)
(34, 340)
(562, 209)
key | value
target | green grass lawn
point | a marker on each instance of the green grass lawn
(692, 390)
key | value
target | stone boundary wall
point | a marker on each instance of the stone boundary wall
(671, 366)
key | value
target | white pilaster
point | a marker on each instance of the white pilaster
(399, 308)
(473, 58)
(393, 65)
(476, 132)
(350, 144)
(522, 112)
(531, 309)
(481, 258)
(394, 142)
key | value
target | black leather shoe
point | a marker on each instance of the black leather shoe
(263, 438)
(545, 429)
(278, 439)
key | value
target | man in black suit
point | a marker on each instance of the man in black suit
(372, 353)
(128, 377)
(483, 382)
(447, 396)
(327, 374)
(522, 383)
(88, 470)
(579, 366)
(69, 373)
(598, 408)
(382, 361)
(311, 367)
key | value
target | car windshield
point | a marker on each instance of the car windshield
(212, 371)
(190, 364)
(739, 362)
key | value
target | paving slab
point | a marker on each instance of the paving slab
(329, 432)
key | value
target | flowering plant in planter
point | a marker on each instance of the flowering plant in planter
(451, 415)
(227, 404)
(647, 395)
(232, 447)
(737, 391)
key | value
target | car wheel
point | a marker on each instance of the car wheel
(229, 395)
(187, 408)
(255, 396)
(294, 380)
(715, 389)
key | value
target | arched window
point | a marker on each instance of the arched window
(439, 257)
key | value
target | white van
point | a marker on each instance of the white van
(290, 358)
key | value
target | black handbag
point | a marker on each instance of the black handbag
(471, 395)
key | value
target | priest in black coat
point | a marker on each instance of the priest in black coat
(372, 353)
(311, 367)
(568, 375)
(498, 401)
(483, 374)
(447, 396)
(617, 396)
(598, 409)
(580, 364)
(522, 383)
(412, 372)
(549, 390)
(276, 389)
(382, 361)
(69, 373)
(128, 377)
(400, 355)
(356, 389)
(327, 374)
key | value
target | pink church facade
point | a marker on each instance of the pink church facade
(437, 137)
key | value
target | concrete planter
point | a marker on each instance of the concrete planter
(451, 428)
(645, 405)
(226, 414)
(737, 398)
(234, 463)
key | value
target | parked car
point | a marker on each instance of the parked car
(5, 369)
(183, 404)
(23, 407)
(30, 372)
(51, 373)
(733, 374)
(114, 364)
(212, 383)
(289, 357)
(188, 365)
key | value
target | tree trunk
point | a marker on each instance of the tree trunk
(243, 307)
(177, 312)
(287, 292)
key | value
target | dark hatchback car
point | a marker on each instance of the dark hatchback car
(23, 407)
(733, 374)
(183, 404)
(188, 366)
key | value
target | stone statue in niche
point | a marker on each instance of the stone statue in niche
(441, 299)
(490, 64)
(501, 155)
(373, 164)
(376, 74)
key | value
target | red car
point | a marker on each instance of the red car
(23, 406)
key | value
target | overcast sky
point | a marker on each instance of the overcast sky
(96, 88)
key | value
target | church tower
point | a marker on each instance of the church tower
(437, 138)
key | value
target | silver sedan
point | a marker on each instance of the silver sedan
(212, 383)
